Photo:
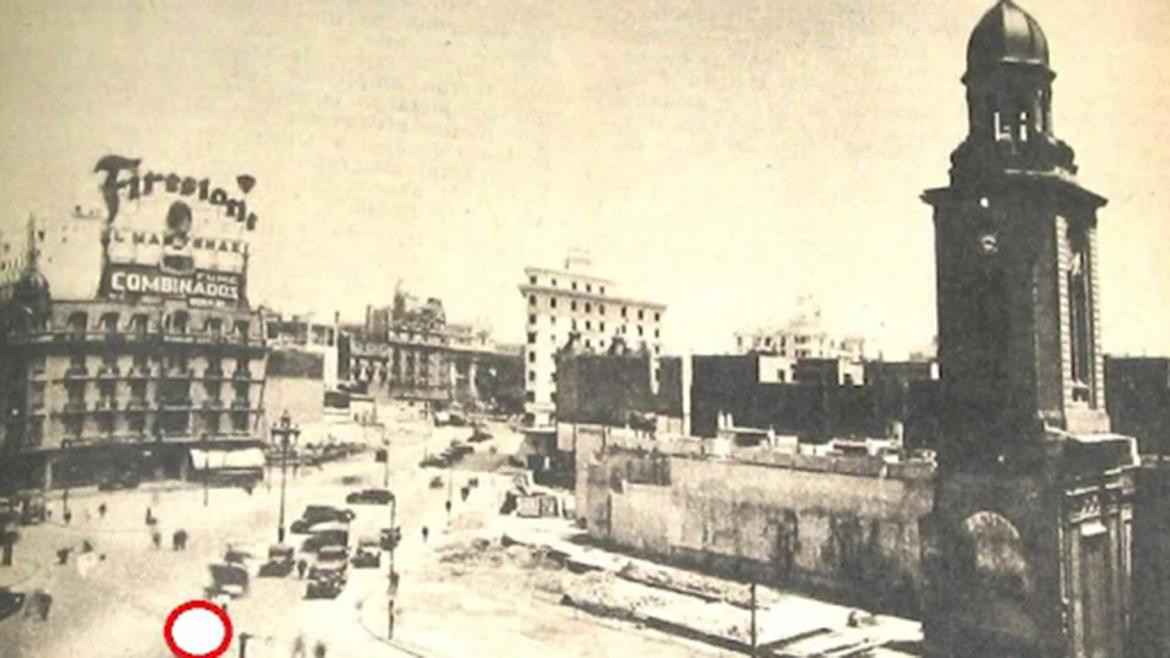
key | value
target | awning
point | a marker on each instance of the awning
(243, 458)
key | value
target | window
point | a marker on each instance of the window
(601, 309)
(211, 422)
(624, 309)
(36, 431)
(573, 305)
(587, 343)
(106, 391)
(136, 423)
(640, 314)
(574, 285)
(109, 323)
(588, 325)
(140, 324)
(532, 300)
(602, 290)
(656, 334)
(640, 332)
(588, 307)
(552, 302)
(138, 391)
(532, 357)
(532, 280)
(531, 336)
(531, 375)
(554, 282)
(781, 376)
(529, 395)
(531, 319)
(214, 326)
(240, 421)
(601, 326)
(213, 389)
(657, 316)
(179, 322)
(242, 328)
(1080, 334)
(241, 390)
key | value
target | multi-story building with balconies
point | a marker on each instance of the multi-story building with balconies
(572, 303)
(165, 357)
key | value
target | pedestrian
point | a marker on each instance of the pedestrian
(176, 542)
(46, 602)
(86, 546)
(68, 516)
(301, 566)
(63, 555)
(298, 650)
(319, 649)
(156, 538)
(149, 517)
(425, 532)
(102, 511)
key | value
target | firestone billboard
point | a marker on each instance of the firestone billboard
(169, 261)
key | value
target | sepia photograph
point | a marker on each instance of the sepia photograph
(529, 328)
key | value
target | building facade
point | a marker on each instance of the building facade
(409, 352)
(802, 337)
(572, 304)
(164, 356)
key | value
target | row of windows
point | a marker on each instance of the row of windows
(588, 308)
(142, 363)
(169, 391)
(166, 423)
(534, 280)
(622, 329)
(177, 322)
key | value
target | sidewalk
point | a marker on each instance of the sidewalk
(708, 608)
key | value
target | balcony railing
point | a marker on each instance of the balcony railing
(137, 404)
(108, 372)
(213, 373)
(76, 372)
(213, 404)
(242, 374)
(178, 373)
(75, 407)
(139, 372)
(136, 336)
(105, 405)
(241, 403)
(176, 403)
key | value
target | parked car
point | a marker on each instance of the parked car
(331, 535)
(434, 461)
(10, 602)
(331, 560)
(459, 448)
(281, 559)
(436, 482)
(389, 538)
(324, 587)
(479, 434)
(229, 579)
(370, 496)
(368, 553)
(315, 514)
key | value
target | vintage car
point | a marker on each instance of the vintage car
(325, 586)
(331, 534)
(370, 496)
(281, 559)
(228, 579)
(10, 602)
(237, 553)
(479, 434)
(368, 553)
(434, 461)
(331, 561)
(315, 514)
(436, 482)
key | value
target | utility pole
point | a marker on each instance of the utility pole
(285, 431)
(754, 638)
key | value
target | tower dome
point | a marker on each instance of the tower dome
(1006, 35)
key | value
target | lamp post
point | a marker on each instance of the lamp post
(206, 467)
(65, 445)
(287, 433)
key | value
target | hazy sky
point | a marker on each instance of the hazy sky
(721, 157)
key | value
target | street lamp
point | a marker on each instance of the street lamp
(65, 445)
(287, 433)
(206, 467)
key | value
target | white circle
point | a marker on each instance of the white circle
(198, 631)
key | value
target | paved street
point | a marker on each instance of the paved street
(116, 607)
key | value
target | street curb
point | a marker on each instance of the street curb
(405, 648)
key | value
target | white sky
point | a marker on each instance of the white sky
(720, 157)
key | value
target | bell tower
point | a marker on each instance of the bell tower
(1016, 256)
(1026, 553)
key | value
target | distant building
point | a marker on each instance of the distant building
(409, 352)
(802, 337)
(1137, 396)
(572, 302)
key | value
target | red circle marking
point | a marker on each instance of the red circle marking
(169, 629)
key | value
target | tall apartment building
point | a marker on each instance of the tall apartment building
(573, 304)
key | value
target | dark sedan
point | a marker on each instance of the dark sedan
(370, 497)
